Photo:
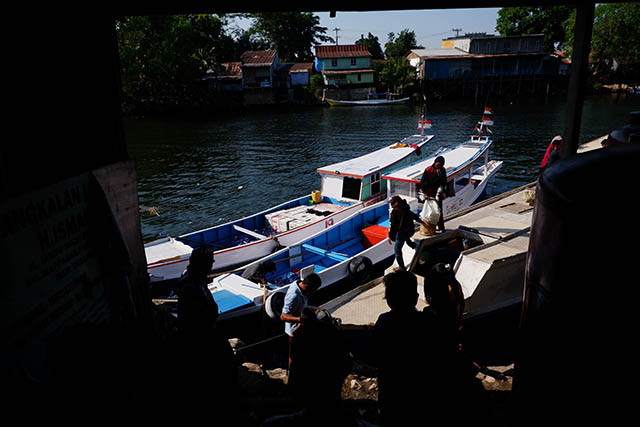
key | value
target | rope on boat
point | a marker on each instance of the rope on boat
(255, 344)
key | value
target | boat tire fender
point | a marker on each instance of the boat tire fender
(274, 304)
(360, 269)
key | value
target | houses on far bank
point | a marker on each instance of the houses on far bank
(469, 65)
(478, 63)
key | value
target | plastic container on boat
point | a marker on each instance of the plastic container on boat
(373, 235)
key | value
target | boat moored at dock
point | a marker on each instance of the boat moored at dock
(468, 168)
(348, 250)
(346, 187)
(468, 172)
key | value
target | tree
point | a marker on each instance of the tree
(246, 41)
(373, 46)
(547, 20)
(292, 34)
(397, 74)
(615, 48)
(401, 45)
(163, 57)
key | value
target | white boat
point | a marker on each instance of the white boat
(371, 102)
(346, 187)
(468, 172)
(340, 252)
(359, 239)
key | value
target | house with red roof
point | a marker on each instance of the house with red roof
(259, 68)
(344, 65)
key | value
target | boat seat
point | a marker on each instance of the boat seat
(329, 254)
(249, 232)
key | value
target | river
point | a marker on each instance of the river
(204, 171)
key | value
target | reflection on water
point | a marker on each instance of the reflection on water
(203, 172)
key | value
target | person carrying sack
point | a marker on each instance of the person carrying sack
(434, 186)
(401, 227)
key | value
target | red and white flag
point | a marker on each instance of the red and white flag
(486, 121)
(424, 124)
(488, 110)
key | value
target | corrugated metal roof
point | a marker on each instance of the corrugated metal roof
(301, 67)
(445, 51)
(342, 51)
(258, 58)
(484, 55)
(231, 69)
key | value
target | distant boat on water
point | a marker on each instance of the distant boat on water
(372, 100)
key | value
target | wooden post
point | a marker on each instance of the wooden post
(579, 70)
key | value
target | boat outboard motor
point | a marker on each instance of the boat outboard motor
(576, 356)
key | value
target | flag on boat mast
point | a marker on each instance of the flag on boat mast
(423, 124)
(487, 121)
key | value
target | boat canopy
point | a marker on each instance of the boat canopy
(360, 179)
(378, 160)
(456, 159)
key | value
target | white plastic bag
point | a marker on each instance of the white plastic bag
(430, 211)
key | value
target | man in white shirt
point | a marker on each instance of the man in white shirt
(294, 301)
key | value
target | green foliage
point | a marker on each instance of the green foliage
(547, 20)
(398, 75)
(373, 46)
(616, 37)
(400, 46)
(316, 85)
(615, 42)
(163, 58)
(292, 34)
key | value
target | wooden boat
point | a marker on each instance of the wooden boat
(337, 248)
(490, 269)
(366, 102)
(486, 248)
(468, 172)
(343, 251)
(346, 187)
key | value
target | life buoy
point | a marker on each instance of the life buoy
(360, 269)
(274, 304)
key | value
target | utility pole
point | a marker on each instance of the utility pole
(336, 30)
(457, 30)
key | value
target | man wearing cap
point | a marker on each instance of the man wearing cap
(295, 301)
(434, 185)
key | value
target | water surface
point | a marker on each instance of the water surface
(205, 171)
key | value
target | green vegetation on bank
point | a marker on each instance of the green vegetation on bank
(163, 58)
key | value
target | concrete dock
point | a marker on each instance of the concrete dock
(500, 216)
(504, 219)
